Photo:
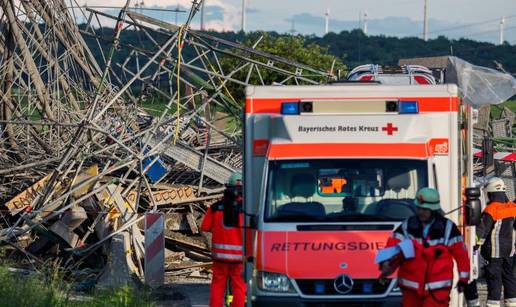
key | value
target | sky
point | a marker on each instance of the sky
(452, 18)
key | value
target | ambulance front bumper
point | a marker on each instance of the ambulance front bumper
(288, 301)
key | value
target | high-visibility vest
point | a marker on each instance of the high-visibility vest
(432, 266)
(226, 242)
(496, 230)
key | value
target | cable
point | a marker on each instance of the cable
(130, 8)
(470, 24)
(489, 31)
(180, 39)
(467, 25)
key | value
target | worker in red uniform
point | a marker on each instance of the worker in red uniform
(427, 279)
(226, 246)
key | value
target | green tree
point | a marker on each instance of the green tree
(293, 48)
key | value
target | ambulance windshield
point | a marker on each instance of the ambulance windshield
(343, 189)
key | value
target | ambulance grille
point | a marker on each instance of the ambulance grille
(325, 287)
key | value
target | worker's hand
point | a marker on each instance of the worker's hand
(386, 269)
(383, 281)
(461, 286)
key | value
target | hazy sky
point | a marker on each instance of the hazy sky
(308, 15)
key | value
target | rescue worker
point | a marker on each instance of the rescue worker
(226, 246)
(495, 238)
(427, 279)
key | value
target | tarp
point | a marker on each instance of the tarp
(480, 85)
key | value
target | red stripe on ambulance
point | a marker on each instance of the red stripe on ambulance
(426, 104)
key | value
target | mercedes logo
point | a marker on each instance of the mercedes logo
(343, 284)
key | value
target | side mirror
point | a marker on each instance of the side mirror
(231, 208)
(473, 206)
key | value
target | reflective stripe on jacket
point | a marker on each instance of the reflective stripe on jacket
(432, 266)
(226, 241)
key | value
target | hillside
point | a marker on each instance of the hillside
(354, 48)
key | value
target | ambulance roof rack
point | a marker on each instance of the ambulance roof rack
(416, 74)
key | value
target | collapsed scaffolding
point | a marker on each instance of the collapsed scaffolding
(81, 160)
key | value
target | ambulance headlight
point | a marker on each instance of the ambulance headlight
(274, 282)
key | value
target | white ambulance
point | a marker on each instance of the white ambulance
(331, 170)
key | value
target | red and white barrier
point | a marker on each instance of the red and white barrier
(154, 249)
(503, 156)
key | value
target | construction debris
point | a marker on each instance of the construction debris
(81, 159)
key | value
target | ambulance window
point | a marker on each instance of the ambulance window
(343, 189)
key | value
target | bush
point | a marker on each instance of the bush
(31, 290)
(50, 290)
(123, 297)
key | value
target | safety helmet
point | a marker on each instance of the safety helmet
(495, 184)
(234, 180)
(428, 198)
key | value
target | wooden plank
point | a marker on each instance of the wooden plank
(172, 196)
(192, 223)
(24, 199)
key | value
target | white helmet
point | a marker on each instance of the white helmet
(495, 184)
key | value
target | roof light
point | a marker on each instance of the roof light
(290, 108)
(408, 107)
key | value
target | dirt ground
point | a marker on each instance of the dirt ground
(184, 292)
(195, 293)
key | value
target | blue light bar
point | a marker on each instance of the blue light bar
(290, 108)
(408, 107)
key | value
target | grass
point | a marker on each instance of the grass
(496, 110)
(50, 290)
(156, 106)
(511, 104)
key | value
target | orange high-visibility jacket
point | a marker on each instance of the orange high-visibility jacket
(432, 266)
(226, 241)
(496, 231)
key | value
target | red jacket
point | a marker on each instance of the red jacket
(432, 266)
(227, 245)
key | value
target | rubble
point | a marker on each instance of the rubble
(82, 159)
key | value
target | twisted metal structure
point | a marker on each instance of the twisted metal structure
(78, 132)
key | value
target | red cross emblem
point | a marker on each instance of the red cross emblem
(390, 129)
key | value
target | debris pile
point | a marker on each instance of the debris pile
(89, 144)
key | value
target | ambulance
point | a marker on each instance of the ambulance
(331, 170)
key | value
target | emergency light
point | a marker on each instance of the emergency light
(320, 287)
(367, 287)
(290, 108)
(408, 107)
